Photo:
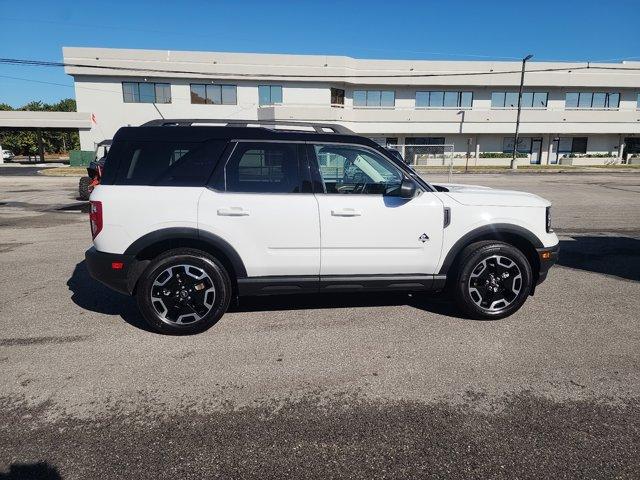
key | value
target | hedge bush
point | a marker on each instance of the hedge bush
(502, 155)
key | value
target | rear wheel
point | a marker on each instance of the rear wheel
(493, 280)
(183, 291)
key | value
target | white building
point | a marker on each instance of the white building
(568, 109)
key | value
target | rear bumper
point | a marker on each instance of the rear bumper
(548, 256)
(103, 267)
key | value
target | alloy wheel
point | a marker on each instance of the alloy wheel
(182, 294)
(495, 283)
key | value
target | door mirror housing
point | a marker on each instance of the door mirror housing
(407, 188)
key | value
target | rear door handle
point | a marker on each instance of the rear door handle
(346, 212)
(233, 212)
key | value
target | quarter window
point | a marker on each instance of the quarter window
(186, 164)
(355, 170)
(145, 92)
(269, 94)
(595, 100)
(213, 94)
(263, 168)
(444, 99)
(374, 98)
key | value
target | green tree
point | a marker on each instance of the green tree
(26, 142)
(66, 105)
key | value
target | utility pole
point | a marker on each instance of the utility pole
(514, 165)
(466, 165)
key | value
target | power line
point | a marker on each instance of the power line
(82, 87)
(44, 63)
(241, 106)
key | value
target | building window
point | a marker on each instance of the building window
(374, 98)
(416, 146)
(572, 145)
(214, 94)
(144, 92)
(269, 94)
(510, 100)
(638, 102)
(524, 145)
(385, 141)
(337, 97)
(444, 99)
(593, 100)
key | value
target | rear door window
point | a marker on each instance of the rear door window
(181, 164)
(264, 167)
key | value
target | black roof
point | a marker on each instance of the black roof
(195, 130)
(190, 122)
(204, 133)
(184, 131)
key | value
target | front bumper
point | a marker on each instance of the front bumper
(106, 268)
(548, 256)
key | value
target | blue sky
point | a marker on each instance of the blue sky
(422, 29)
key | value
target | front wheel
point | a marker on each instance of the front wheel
(493, 280)
(183, 291)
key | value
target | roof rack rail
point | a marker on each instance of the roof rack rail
(187, 122)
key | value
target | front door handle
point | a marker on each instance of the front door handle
(233, 212)
(346, 212)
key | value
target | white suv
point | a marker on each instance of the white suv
(187, 218)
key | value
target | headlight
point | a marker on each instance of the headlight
(548, 220)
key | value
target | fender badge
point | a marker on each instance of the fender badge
(423, 238)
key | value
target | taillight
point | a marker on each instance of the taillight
(95, 218)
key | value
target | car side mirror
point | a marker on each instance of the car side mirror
(407, 188)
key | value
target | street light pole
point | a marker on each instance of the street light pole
(514, 165)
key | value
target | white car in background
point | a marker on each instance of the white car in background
(7, 155)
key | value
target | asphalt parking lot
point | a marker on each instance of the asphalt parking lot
(340, 386)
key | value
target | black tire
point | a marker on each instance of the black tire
(179, 316)
(480, 289)
(83, 188)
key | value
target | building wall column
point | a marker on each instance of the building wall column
(550, 148)
(544, 150)
(621, 146)
(401, 141)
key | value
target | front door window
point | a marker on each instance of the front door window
(355, 170)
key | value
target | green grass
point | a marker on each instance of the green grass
(64, 172)
(633, 166)
(528, 168)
